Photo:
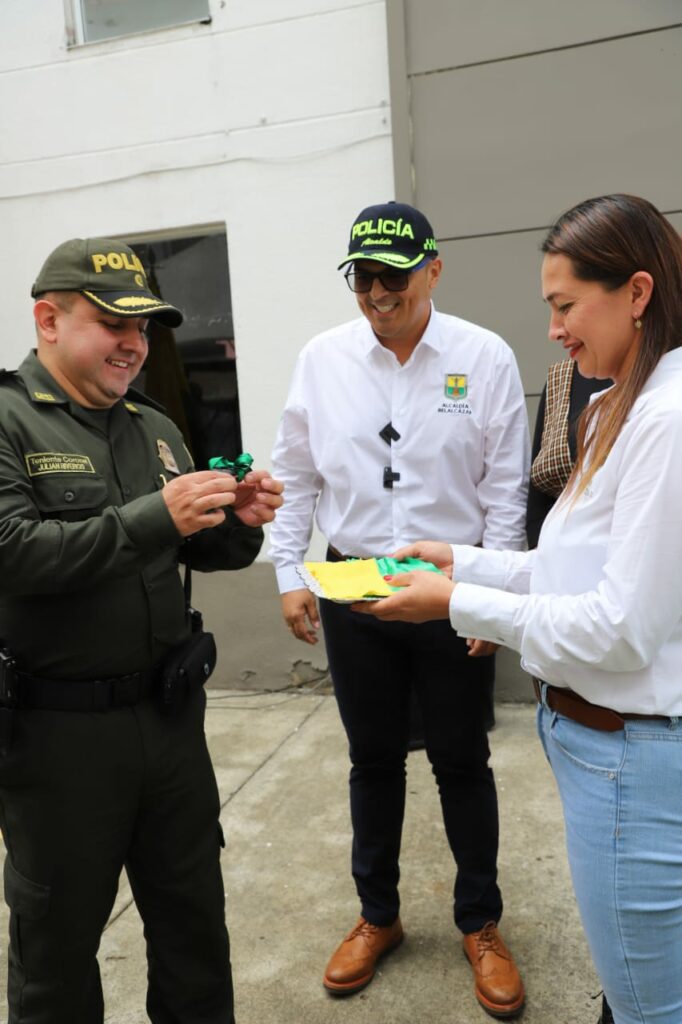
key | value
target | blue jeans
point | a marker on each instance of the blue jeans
(622, 800)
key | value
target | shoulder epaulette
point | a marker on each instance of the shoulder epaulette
(6, 374)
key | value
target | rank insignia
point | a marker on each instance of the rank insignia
(456, 386)
(166, 455)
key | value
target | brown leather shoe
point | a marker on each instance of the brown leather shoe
(353, 964)
(499, 988)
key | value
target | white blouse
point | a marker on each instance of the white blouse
(597, 607)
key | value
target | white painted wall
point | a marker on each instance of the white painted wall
(273, 120)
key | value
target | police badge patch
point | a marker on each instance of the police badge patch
(456, 386)
(166, 455)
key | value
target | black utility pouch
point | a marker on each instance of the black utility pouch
(185, 668)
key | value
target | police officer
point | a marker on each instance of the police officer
(103, 758)
(397, 424)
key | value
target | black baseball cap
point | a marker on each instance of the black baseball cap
(391, 233)
(109, 274)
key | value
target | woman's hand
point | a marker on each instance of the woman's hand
(423, 596)
(435, 551)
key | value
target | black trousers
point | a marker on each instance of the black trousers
(374, 666)
(82, 795)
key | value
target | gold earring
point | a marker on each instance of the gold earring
(638, 323)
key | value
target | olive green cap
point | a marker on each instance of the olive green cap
(109, 274)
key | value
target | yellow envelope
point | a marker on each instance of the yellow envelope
(347, 581)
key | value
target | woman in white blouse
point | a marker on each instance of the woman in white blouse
(596, 610)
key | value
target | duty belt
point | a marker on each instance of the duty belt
(21, 690)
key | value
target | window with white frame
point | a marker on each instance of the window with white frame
(89, 21)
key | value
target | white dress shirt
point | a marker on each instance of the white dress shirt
(598, 606)
(462, 457)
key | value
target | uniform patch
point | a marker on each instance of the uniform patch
(456, 386)
(166, 455)
(39, 463)
(43, 396)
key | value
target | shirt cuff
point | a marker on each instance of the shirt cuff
(288, 579)
(149, 524)
(486, 614)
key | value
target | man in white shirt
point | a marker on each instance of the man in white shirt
(402, 424)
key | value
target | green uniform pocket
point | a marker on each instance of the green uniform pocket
(70, 497)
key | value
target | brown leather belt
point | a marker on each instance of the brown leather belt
(594, 716)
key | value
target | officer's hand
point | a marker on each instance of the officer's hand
(299, 609)
(481, 648)
(197, 500)
(435, 551)
(258, 498)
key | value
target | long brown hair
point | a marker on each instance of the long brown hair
(608, 239)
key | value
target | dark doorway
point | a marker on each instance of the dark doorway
(192, 371)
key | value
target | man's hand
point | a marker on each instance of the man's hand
(481, 648)
(299, 609)
(196, 500)
(258, 497)
(435, 551)
(423, 596)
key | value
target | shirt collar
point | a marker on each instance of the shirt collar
(40, 384)
(43, 389)
(431, 338)
(671, 362)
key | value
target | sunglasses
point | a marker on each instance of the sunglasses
(361, 281)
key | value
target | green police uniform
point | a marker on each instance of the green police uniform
(90, 590)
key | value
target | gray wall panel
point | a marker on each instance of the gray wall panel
(443, 34)
(507, 146)
(676, 220)
(496, 282)
(532, 403)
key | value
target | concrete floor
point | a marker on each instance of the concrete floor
(282, 766)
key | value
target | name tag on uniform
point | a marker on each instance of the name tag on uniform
(39, 463)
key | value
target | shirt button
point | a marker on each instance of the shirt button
(69, 495)
(126, 492)
(150, 587)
